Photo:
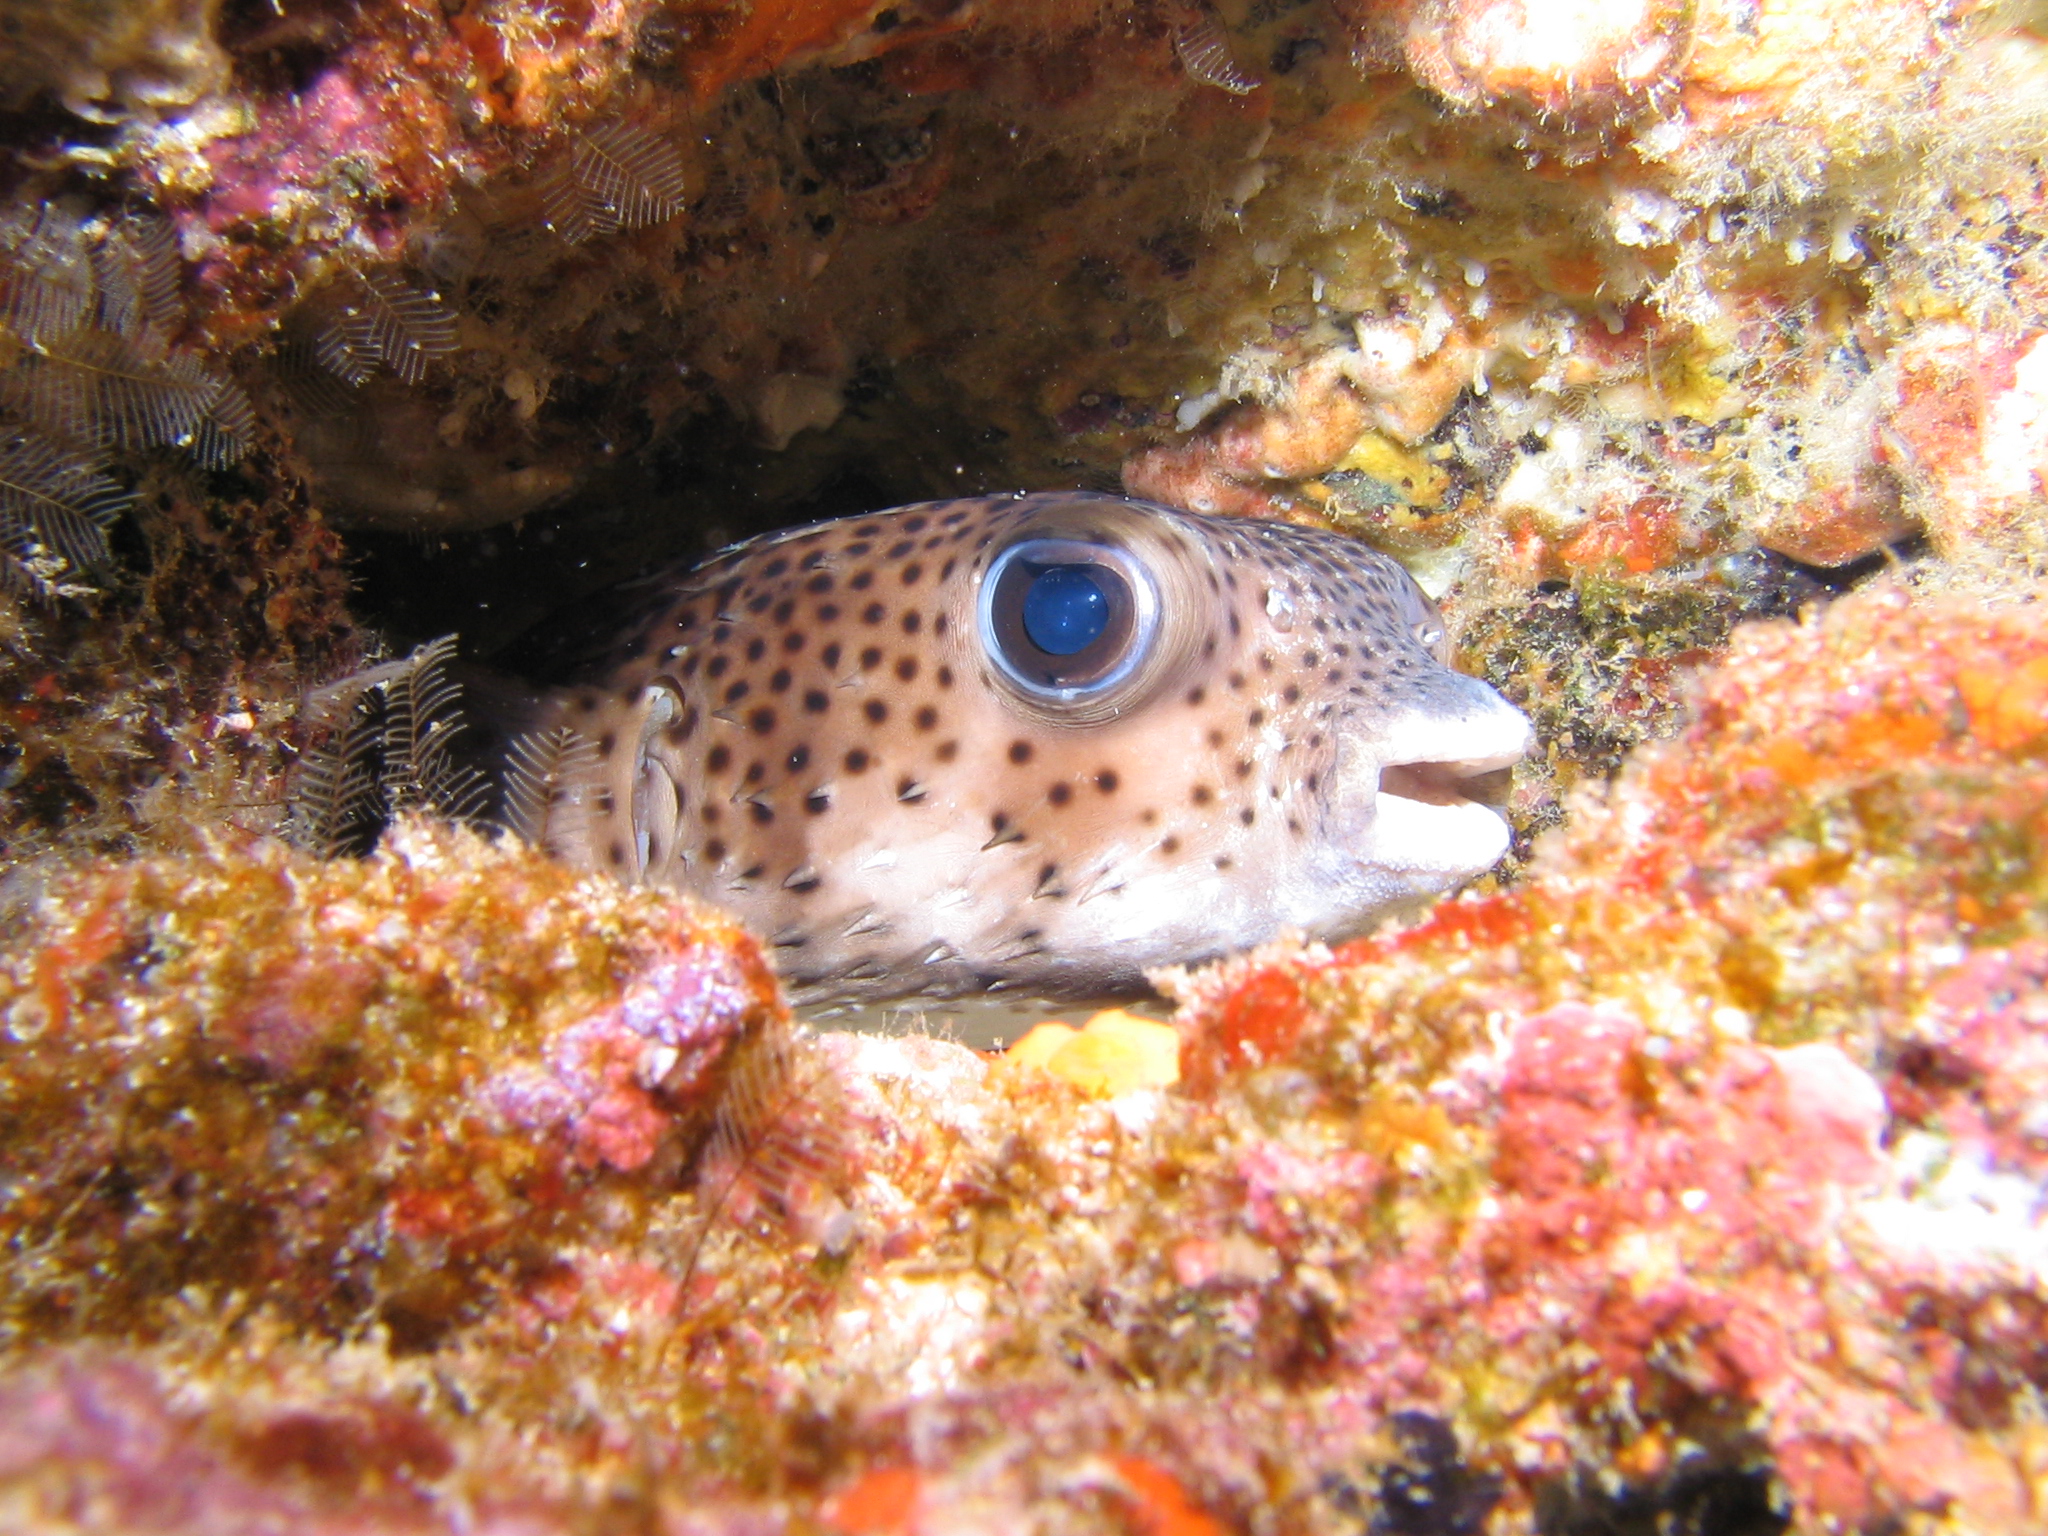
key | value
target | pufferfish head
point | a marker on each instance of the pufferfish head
(1268, 676)
(1041, 742)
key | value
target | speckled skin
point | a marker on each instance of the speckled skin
(807, 730)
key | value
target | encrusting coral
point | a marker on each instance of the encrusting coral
(1689, 1179)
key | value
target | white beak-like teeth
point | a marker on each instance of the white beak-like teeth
(1425, 823)
(1446, 841)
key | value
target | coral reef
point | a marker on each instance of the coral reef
(1689, 1177)
(1698, 1055)
(1698, 1177)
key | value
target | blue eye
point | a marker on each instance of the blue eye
(1065, 610)
(1068, 621)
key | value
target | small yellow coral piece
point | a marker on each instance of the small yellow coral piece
(1041, 1044)
(1114, 1053)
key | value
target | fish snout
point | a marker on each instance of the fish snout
(1431, 782)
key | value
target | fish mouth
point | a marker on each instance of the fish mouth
(1448, 783)
(1438, 818)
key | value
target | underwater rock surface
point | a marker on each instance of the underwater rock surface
(1688, 1178)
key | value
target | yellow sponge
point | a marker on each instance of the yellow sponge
(1113, 1053)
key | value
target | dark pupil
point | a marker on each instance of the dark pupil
(1065, 610)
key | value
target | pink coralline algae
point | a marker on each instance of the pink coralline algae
(609, 1079)
(1689, 1221)
(1827, 1248)
(1667, 1248)
(1703, 1243)
(338, 128)
(110, 1427)
(1972, 1062)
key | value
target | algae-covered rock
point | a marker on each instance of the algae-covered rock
(443, 1185)
(350, 1093)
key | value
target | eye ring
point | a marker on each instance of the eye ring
(1064, 620)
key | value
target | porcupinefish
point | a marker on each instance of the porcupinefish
(1037, 742)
